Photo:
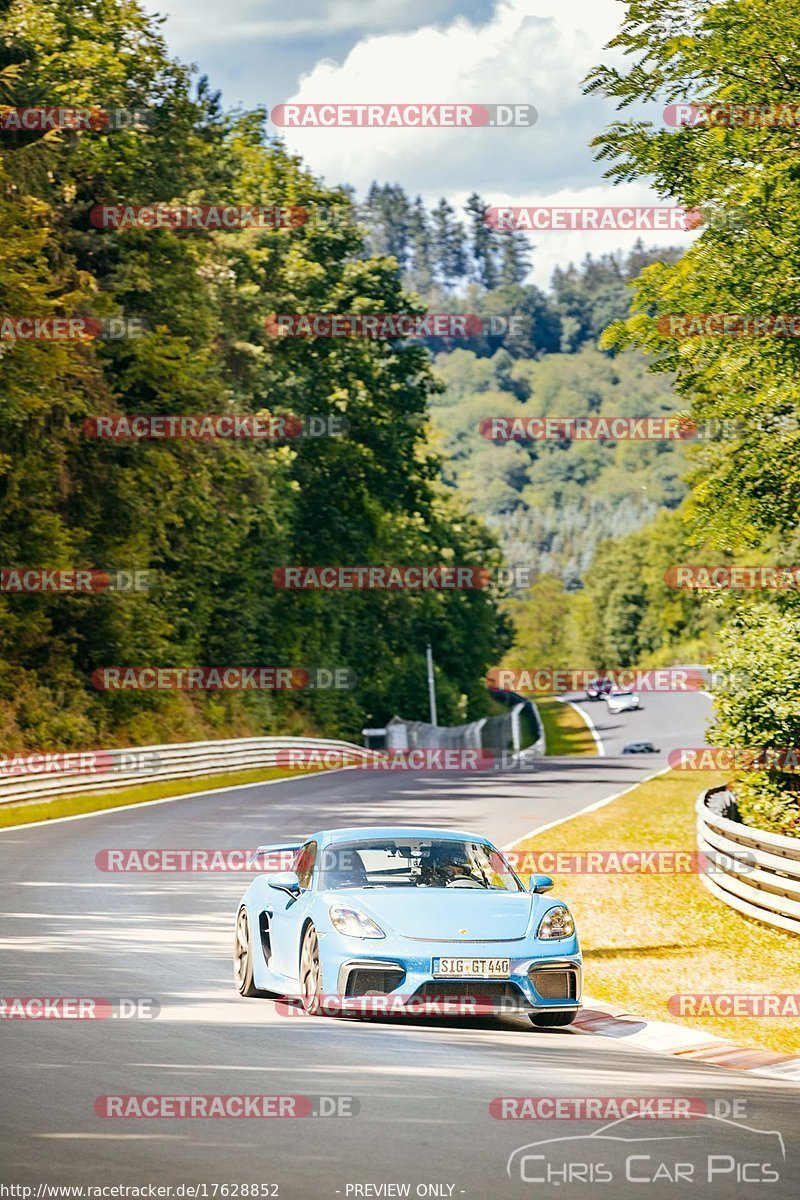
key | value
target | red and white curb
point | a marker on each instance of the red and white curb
(697, 1045)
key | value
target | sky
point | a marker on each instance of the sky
(481, 51)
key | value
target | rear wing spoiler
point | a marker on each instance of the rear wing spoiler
(280, 855)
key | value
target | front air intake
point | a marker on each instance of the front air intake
(372, 981)
(555, 983)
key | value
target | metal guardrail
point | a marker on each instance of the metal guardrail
(109, 770)
(519, 705)
(500, 736)
(755, 872)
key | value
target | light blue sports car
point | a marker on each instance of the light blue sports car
(406, 914)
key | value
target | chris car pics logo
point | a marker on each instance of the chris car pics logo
(721, 1154)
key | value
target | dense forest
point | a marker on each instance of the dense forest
(410, 479)
(209, 519)
(602, 524)
(548, 503)
(742, 500)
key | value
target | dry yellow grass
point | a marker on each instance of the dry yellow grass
(649, 937)
(565, 730)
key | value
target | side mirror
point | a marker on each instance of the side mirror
(286, 881)
(541, 883)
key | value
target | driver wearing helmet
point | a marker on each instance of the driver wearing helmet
(447, 863)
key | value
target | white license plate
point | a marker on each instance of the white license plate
(472, 968)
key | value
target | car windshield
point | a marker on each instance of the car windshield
(417, 863)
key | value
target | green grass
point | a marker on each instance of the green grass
(648, 937)
(69, 806)
(565, 730)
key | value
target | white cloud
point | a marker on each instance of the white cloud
(532, 51)
(529, 51)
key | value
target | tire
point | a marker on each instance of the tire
(311, 973)
(553, 1020)
(243, 956)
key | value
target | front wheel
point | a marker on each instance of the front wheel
(243, 957)
(552, 1020)
(311, 973)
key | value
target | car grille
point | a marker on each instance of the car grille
(365, 981)
(507, 994)
(555, 984)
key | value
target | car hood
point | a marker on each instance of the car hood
(440, 914)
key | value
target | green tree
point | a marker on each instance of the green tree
(421, 248)
(515, 257)
(210, 519)
(449, 241)
(746, 485)
(483, 242)
(543, 635)
(742, 177)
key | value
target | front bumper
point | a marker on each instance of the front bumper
(543, 978)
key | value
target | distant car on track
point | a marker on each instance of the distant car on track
(598, 689)
(640, 748)
(622, 701)
(409, 913)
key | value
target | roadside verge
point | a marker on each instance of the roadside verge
(29, 812)
(654, 934)
(566, 729)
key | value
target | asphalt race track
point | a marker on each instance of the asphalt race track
(422, 1088)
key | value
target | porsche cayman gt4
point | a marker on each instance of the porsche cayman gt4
(406, 914)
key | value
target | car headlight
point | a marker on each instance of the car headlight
(556, 923)
(353, 922)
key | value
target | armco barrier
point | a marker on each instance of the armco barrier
(499, 735)
(144, 764)
(766, 886)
